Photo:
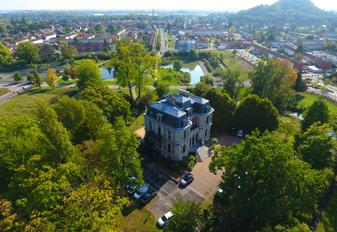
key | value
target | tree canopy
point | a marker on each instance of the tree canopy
(5, 55)
(265, 184)
(51, 78)
(112, 105)
(256, 113)
(134, 64)
(27, 53)
(231, 83)
(88, 75)
(317, 146)
(317, 112)
(274, 79)
(187, 217)
(224, 108)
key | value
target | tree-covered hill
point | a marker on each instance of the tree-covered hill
(300, 12)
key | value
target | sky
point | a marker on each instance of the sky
(218, 5)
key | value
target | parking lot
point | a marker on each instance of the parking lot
(202, 188)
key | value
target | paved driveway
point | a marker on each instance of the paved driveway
(202, 188)
(205, 182)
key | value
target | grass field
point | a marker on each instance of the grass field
(236, 63)
(304, 100)
(138, 219)
(25, 104)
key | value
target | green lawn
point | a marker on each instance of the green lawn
(304, 100)
(25, 104)
(236, 63)
(329, 219)
(171, 41)
(138, 219)
(63, 82)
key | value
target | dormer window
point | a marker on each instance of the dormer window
(159, 117)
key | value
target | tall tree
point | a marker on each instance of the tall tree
(265, 184)
(112, 105)
(317, 146)
(82, 118)
(118, 149)
(88, 75)
(300, 85)
(94, 206)
(5, 55)
(36, 78)
(67, 51)
(124, 67)
(58, 136)
(20, 139)
(146, 66)
(17, 77)
(27, 53)
(187, 217)
(231, 82)
(256, 113)
(51, 78)
(317, 112)
(224, 108)
(133, 63)
(274, 80)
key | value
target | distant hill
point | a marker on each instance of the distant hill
(300, 12)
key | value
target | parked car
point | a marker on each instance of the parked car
(141, 191)
(148, 196)
(240, 134)
(131, 187)
(162, 221)
(186, 180)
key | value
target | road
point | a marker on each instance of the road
(14, 90)
(164, 42)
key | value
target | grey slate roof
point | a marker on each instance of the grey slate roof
(165, 107)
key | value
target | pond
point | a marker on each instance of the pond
(194, 70)
(296, 115)
(107, 73)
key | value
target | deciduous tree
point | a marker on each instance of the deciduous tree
(58, 137)
(317, 146)
(118, 148)
(88, 75)
(5, 55)
(274, 80)
(317, 112)
(27, 53)
(112, 105)
(51, 78)
(231, 83)
(265, 184)
(256, 113)
(224, 108)
(186, 217)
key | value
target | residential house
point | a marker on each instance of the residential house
(178, 124)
